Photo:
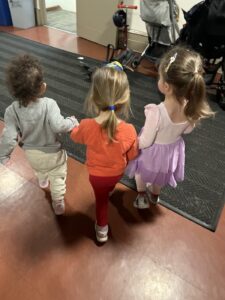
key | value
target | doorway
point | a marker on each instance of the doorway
(61, 14)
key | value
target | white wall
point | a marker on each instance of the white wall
(136, 24)
(186, 5)
(65, 4)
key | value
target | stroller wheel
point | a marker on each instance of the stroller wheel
(136, 62)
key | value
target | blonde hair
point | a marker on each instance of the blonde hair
(109, 87)
(183, 70)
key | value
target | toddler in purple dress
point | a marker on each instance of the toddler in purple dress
(162, 150)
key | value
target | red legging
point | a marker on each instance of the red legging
(102, 186)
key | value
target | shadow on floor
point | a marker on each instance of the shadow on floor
(124, 205)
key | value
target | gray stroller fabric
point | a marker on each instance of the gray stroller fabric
(155, 12)
(157, 16)
(161, 35)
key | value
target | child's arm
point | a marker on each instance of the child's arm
(189, 129)
(75, 121)
(58, 123)
(9, 137)
(149, 130)
(133, 151)
(78, 133)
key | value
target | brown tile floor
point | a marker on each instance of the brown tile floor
(153, 255)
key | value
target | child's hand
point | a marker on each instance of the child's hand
(76, 123)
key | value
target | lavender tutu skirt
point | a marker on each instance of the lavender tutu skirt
(160, 164)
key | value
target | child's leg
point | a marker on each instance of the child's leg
(102, 200)
(36, 160)
(156, 189)
(102, 186)
(42, 176)
(141, 200)
(57, 177)
(141, 186)
(153, 192)
(51, 166)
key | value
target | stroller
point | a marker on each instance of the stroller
(161, 18)
(204, 32)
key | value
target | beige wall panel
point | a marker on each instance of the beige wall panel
(94, 20)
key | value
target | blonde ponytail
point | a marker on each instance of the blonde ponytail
(109, 125)
(109, 92)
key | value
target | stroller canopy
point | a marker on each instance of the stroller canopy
(155, 12)
(160, 18)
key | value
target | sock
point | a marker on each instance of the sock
(102, 228)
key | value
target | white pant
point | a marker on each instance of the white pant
(52, 166)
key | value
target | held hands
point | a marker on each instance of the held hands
(75, 123)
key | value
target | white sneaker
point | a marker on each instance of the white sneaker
(141, 201)
(154, 199)
(58, 206)
(101, 233)
(43, 183)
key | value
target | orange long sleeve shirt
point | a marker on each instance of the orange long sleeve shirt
(102, 157)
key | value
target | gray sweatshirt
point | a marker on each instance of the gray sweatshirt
(35, 127)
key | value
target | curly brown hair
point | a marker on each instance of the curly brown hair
(24, 78)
